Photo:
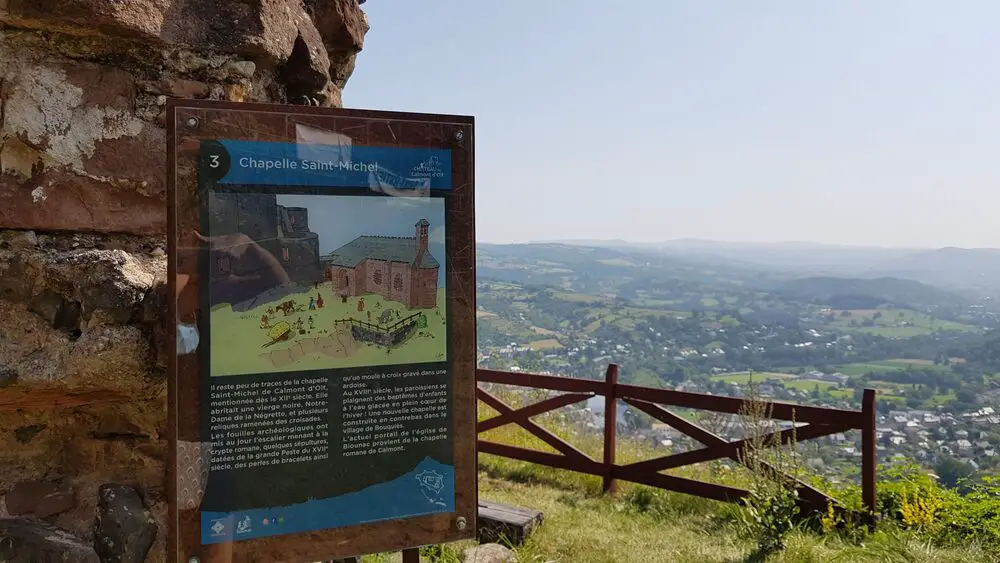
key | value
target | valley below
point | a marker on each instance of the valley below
(716, 325)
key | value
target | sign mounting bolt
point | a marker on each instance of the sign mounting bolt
(459, 135)
(460, 523)
(193, 559)
(192, 122)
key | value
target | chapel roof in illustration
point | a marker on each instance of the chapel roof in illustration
(390, 249)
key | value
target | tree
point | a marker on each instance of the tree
(966, 395)
(951, 472)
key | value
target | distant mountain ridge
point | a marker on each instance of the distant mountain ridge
(856, 293)
(960, 267)
(952, 267)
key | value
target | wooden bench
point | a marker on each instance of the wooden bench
(506, 524)
(497, 523)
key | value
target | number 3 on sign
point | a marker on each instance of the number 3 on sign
(213, 161)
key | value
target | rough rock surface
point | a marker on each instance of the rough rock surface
(38, 499)
(83, 87)
(83, 84)
(82, 399)
(22, 541)
(125, 528)
(488, 553)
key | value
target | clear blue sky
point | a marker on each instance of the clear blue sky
(873, 122)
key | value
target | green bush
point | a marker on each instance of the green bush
(910, 498)
(769, 515)
(771, 507)
(974, 517)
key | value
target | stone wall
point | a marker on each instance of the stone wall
(83, 84)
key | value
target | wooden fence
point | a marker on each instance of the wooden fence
(389, 335)
(819, 422)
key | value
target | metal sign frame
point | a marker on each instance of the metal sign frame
(200, 135)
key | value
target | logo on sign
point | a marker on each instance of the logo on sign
(430, 168)
(245, 526)
(431, 485)
(217, 528)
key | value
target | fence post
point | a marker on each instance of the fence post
(869, 455)
(610, 426)
(411, 555)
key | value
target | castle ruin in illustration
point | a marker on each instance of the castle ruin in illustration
(399, 269)
(281, 231)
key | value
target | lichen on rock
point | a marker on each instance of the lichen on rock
(47, 111)
(83, 85)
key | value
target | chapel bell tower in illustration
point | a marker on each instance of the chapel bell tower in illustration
(422, 226)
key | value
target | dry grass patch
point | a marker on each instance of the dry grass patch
(547, 344)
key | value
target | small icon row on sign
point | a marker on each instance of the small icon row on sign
(244, 525)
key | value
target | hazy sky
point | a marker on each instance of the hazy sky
(847, 121)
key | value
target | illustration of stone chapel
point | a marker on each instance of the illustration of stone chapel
(399, 269)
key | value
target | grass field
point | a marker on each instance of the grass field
(758, 376)
(654, 303)
(641, 525)
(895, 323)
(888, 390)
(626, 317)
(787, 380)
(241, 344)
(578, 297)
(547, 344)
(906, 362)
(883, 366)
(809, 384)
(517, 330)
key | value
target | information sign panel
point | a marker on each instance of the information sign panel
(322, 394)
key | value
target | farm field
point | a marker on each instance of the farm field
(861, 368)
(894, 323)
(888, 390)
(547, 344)
(578, 297)
(743, 378)
(809, 384)
(518, 331)
(788, 380)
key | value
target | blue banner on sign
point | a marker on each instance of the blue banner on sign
(347, 166)
(428, 489)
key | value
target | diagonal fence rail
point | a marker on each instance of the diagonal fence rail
(817, 422)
